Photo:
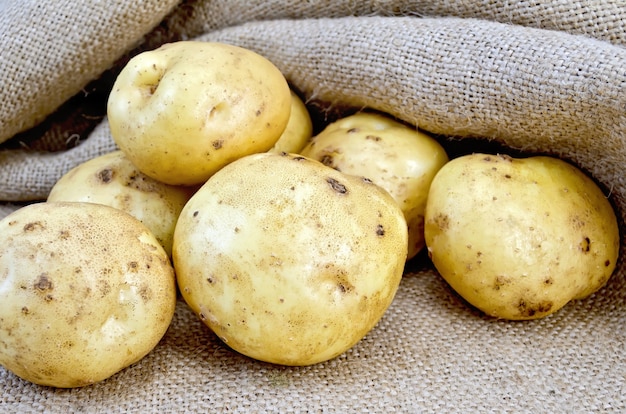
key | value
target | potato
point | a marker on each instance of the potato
(519, 238)
(113, 180)
(400, 159)
(289, 261)
(86, 291)
(299, 129)
(183, 111)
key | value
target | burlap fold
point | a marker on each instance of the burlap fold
(537, 77)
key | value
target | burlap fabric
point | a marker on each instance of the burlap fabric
(537, 77)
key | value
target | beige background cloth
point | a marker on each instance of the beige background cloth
(538, 77)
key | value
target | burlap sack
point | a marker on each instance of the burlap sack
(538, 77)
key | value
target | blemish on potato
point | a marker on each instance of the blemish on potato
(195, 213)
(337, 186)
(548, 281)
(105, 176)
(328, 160)
(380, 230)
(25, 310)
(585, 245)
(145, 292)
(35, 225)
(218, 143)
(373, 138)
(43, 283)
(529, 310)
(442, 221)
(500, 281)
(353, 130)
(104, 287)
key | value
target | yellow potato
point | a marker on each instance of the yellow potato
(183, 111)
(113, 180)
(400, 159)
(289, 261)
(299, 128)
(86, 291)
(520, 238)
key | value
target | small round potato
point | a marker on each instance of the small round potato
(86, 291)
(520, 238)
(113, 180)
(183, 111)
(289, 261)
(299, 129)
(400, 159)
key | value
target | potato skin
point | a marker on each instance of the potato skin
(299, 129)
(289, 261)
(183, 111)
(86, 291)
(113, 180)
(520, 238)
(400, 159)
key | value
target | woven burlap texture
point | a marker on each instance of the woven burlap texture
(542, 77)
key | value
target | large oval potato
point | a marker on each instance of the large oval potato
(113, 180)
(86, 291)
(186, 109)
(400, 159)
(289, 261)
(520, 238)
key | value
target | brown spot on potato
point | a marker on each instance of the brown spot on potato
(373, 138)
(25, 310)
(43, 283)
(64, 234)
(548, 281)
(585, 245)
(104, 287)
(133, 266)
(145, 292)
(34, 225)
(328, 160)
(529, 310)
(442, 221)
(105, 176)
(607, 263)
(337, 186)
(380, 230)
(353, 130)
(218, 143)
(500, 281)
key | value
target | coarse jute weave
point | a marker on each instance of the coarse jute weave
(521, 76)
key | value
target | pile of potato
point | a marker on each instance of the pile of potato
(289, 246)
